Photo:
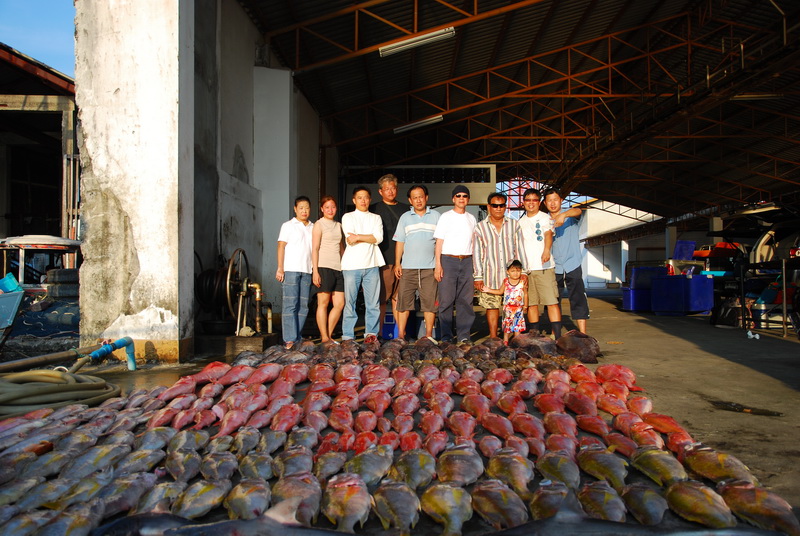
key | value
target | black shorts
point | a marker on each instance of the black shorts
(332, 280)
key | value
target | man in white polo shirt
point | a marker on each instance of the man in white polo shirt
(294, 270)
(454, 267)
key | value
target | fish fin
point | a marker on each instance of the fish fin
(571, 510)
(285, 511)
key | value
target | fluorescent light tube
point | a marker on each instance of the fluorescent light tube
(419, 40)
(421, 123)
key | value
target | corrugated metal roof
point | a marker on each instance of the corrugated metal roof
(622, 100)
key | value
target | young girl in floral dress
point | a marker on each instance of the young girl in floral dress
(515, 300)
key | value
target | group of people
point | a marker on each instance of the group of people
(441, 259)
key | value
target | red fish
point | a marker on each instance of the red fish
(548, 403)
(365, 421)
(260, 419)
(237, 400)
(677, 442)
(183, 386)
(204, 402)
(558, 375)
(492, 389)
(525, 388)
(364, 440)
(640, 405)
(348, 399)
(462, 423)
(183, 419)
(594, 424)
(435, 443)
(611, 404)
(295, 372)
(528, 425)
(462, 441)
(580, 404)
(347, 441)
(590, 442)
(390, 438)
(256, 402)
(374, 372)
(347, 370)
(406, 403)
(474, 374)
(663, 423)
(402, 373)
(617, 372)
(381, 385)
(384, 425)
(287, 418)
(441, 403)
(560, 423)
(581, 373)
(556, 387)
(212, 390)
(276, 404)
(615, 388)
(536, 447)
(322, 386)
(497, 425)
(500, 375)
(410, 441)
(518, 444)
(378, 402)
(232, 421)
(316, 402)
(619, 443)
(531, 374)
(489, 444)
(623, 422)
(431, 422)
(341, 419)
(212, 371)
(162, 417)
(280, 387)
(348, 384)
(320, 371)
(182, 402)
(203, 419)
(316, 420)
(465, 386)
(511, 403)
(329, 443)
(407, 386)
(428, 373)
(450, 374)
(437, 385)
(590, 389)
(644, 434)
(403, 423)
(561, 442)
(476, 405)
(236, 374)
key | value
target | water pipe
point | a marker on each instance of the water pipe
(124, 342)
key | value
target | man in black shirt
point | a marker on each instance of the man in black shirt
(390, 210)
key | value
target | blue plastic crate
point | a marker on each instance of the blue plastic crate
(681, 294)
(642, 276)
(636, 299)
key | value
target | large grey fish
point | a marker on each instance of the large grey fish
(448, 504)
(346, 501)
(509, 466)
(160, 498)
(155, 438)
(459, 464)
(124, 492)
(248, 499)
(256, 465)
(415, 467)
(303, 485)
(142, 524)
(292, 461)
(372, 464)
(77, 520)
(188, 439)
(498, 504)
(396, 504)
(183, 464)
(139, 461)
(200, 498)
(50, 490)
(328, 465)
(94, 459)
(11, 492)
(218, 466)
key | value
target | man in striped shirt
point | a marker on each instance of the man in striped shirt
(498, 241)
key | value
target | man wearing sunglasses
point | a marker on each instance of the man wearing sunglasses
(498, 241)
(453, 270)
(567, 255)
(537, 232)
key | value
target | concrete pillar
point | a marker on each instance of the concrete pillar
(624, 252)
(275, 173)
(715, 225)
(670, 238)
(5, 189)
(134, 89)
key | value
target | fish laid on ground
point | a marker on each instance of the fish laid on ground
(600, 501)
(50, 490)
(660, 465)
(498, 504)
(346, 500)
(200, 498)
(460, 465)
(150, 523)
(448, 504)
(183, 464)
(219, 444)
(87, 488)
(716, 466)
(759, 507)
(77, 520)
(248, 499)
(644, 503)
(416, 468)
(547, 498)
(304, 486)
(293, 460)
(124, 492)
(328, 464)
(697, 502)
(139, 461)
(219, 466)
(372, 464)
(188, 439)
(559, 466)
(29, 522)
(160, 498)
(396, 505)
(513, 469)
(604, 465)
(271, 440)
(11, 492)
(303, 435)
(155, 438)
(256, 465)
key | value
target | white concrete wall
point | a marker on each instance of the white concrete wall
(129, 75)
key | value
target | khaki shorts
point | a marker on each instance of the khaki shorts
(490, 301)
(414, 281)
(388, 283)
(542, 288)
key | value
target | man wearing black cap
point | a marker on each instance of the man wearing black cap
(454, 235)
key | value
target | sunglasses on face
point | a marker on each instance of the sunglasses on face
(497, 205)
(461, 196)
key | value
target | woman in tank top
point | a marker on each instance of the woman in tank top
(326, 257)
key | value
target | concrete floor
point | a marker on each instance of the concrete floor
(683, 363)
